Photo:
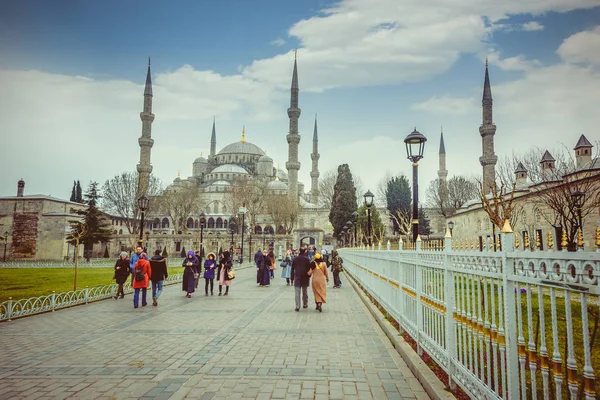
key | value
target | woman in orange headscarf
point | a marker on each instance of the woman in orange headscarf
(320, 279)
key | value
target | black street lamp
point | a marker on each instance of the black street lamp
(355, 220)
(242, 210)
(349, 224)
(142, 203)
(202, 222)
(218, 241)
(369, 203)
(6, 245)
(578, 198)
(232, 228)
(147, 242)
(415, 143)
(450, 226)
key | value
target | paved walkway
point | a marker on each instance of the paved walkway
(248, 345)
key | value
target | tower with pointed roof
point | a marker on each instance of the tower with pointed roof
(293, 137)
(442, 171)
(583, 152)
(520, 175)
(314, 174)
(487, 130)
(548, 164)
(213, 141)
(144, 168)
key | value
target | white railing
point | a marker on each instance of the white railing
(36, 305)
(478, 315)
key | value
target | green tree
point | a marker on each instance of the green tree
(96, 228)
(164, 252)
(183, 253)
(344, 199)
(106, 255)
(377, 225)
(73, 192)
(424, 225)
(398, 202)
(78, 196)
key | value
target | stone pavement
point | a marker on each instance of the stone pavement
(248, 345)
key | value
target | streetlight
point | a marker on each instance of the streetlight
(450, 226)
(232, 228)
(349, 224)
(355, 220)
(6, 245)
(415, 143)
(578, 200)
(218, 241)
(202, 222)
(242, 210)
(142, 203)
(369, 203)
(147, 242)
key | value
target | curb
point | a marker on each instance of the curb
(430, 382)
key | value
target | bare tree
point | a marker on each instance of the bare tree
(499, 207)
(283, 211)
(119, 198)
(179, 204)
(326, 184)
(360, 187)
(453, 195)
(507, 165)
(251, 194)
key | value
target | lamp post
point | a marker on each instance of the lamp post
(415, 143)
(369, 203)
(232, 228)
(147, 242)
(218, 241)
(6, 245)
(355, 220)
(142, 203)
(450, 226)
(349, 224)
(578, 198)
(264, 238)
(344, 232)
(202, 222)
(242, 211)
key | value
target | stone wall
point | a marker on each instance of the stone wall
(24, 235)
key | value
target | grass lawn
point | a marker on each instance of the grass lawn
(22, 283)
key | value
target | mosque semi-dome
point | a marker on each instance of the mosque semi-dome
(242, 148)
(277, 185)
(220, 183)
(229, 169)
(200, 160)
(265, 158)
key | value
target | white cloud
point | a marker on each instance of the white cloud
(532, 26)
(278, 42)
(447, 104)
(582, 47)
(517, 63)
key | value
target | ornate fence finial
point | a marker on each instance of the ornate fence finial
(448, 234)
(473, 244)
(550, 241)
(598, 238)
(526, 240)
(538, 241)
(507, 228)
(579, 238)
(517, 243)
(563, 240)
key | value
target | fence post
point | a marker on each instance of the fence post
(389, 245)
(510, 333)
(53, 301)
(418, 285)
(449, 297)
(9, 311)
(400, 244)
(86, 294)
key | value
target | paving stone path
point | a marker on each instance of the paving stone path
(248, 345)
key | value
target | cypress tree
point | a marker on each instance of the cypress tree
(96, 228)
(424, 225)
(183, 253)
(73, 197)
(164, 252)
(344, 199)
(398, 198)
(106, 255)
(78, 196)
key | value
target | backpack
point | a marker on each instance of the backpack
(139, 275)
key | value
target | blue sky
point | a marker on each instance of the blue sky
(73, 74)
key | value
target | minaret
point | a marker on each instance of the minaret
(213, 141)
(293, 138)
(314, 174)
(487, 130)
(442, 172)
(144, 167)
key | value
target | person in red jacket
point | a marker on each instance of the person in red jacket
(141, 277)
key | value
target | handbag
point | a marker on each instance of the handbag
(231, 274)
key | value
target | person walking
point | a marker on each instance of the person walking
(266, 270)
(122, 272)
(286, 267)
(209, 273)
(159, 274)
(301, 279)
(224, 270)
(320, 279)
(190, 273)
(141, 277)
(271, 256)
(135, 258)
(336, 268)
(258, 260)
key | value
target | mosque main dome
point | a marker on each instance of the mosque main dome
(242, 148)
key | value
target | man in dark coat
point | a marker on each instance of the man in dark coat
(300, 277)
(258, 260)
(159, 274)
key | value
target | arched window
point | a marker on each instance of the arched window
(190, 223)
(225, 224)
(219, 223)
(211, 222)
(165, 223)
(120, 231)
(156, 223)
(269, 230)
(258, 230)
(216, 208)
(196, 224)
(280, 230)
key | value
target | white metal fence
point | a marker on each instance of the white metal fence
(508, 324)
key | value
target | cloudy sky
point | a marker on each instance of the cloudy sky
(72, 75)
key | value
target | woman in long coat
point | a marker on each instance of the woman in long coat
(191, 265)
(286, 267)
(225, 266)
(320, 278)
(266, 270)
(209, 273)
(141, 268)
(122, 272)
